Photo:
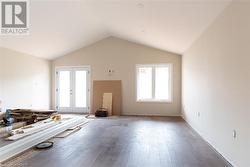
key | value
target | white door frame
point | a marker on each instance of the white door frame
(72, 68)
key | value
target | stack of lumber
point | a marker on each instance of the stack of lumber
(39, 132)
(31, 116)
(32, 129)
(2, 114)
(8, 129)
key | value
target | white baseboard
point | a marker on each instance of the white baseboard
(210, 145)
(147, 114)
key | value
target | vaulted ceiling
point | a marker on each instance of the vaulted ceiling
(58, 27)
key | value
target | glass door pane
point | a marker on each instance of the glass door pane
(64, 89)
(72, 89)
(81, 89)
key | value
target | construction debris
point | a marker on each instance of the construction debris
(8, 120)
(8, 129)
(2, 114)
(56, 117)
(37, 127)
(107, 102)
(71, 130)
(45, 145)
(68, 132)
(90, 116)
(31, 116)
(37, 134)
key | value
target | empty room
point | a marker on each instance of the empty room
(125, 83)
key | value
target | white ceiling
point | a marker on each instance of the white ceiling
(58, 27)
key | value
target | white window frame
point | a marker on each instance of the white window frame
(170, 66)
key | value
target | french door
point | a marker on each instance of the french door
(72, 89)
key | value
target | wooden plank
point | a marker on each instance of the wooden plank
(13, 126)
(80, 125)
(67, 132)
(72, 130)
(33, 111)
(107, 102)
(39, 126)
(17, 147)
(104, 86)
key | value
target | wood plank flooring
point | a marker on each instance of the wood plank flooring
(128, 142)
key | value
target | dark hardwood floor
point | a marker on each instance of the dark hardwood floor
(127, 142)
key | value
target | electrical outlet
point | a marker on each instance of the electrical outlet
(234, 134)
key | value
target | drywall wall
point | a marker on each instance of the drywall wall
(216, 84)
(122, 57)
(24, 80)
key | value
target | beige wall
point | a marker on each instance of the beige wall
(24, 80)
(216, 84)
(122, 56)
(1, 82)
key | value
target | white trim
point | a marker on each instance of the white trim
(73, 68)
(153, 86)
(41, 125)
(19, 146)
(208, 142)
(170, 66)
(153, 101)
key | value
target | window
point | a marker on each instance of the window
(154, 82)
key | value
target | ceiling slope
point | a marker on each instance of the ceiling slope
(59, 27)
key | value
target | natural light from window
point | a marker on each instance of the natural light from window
(145, 83)
(154, 82)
